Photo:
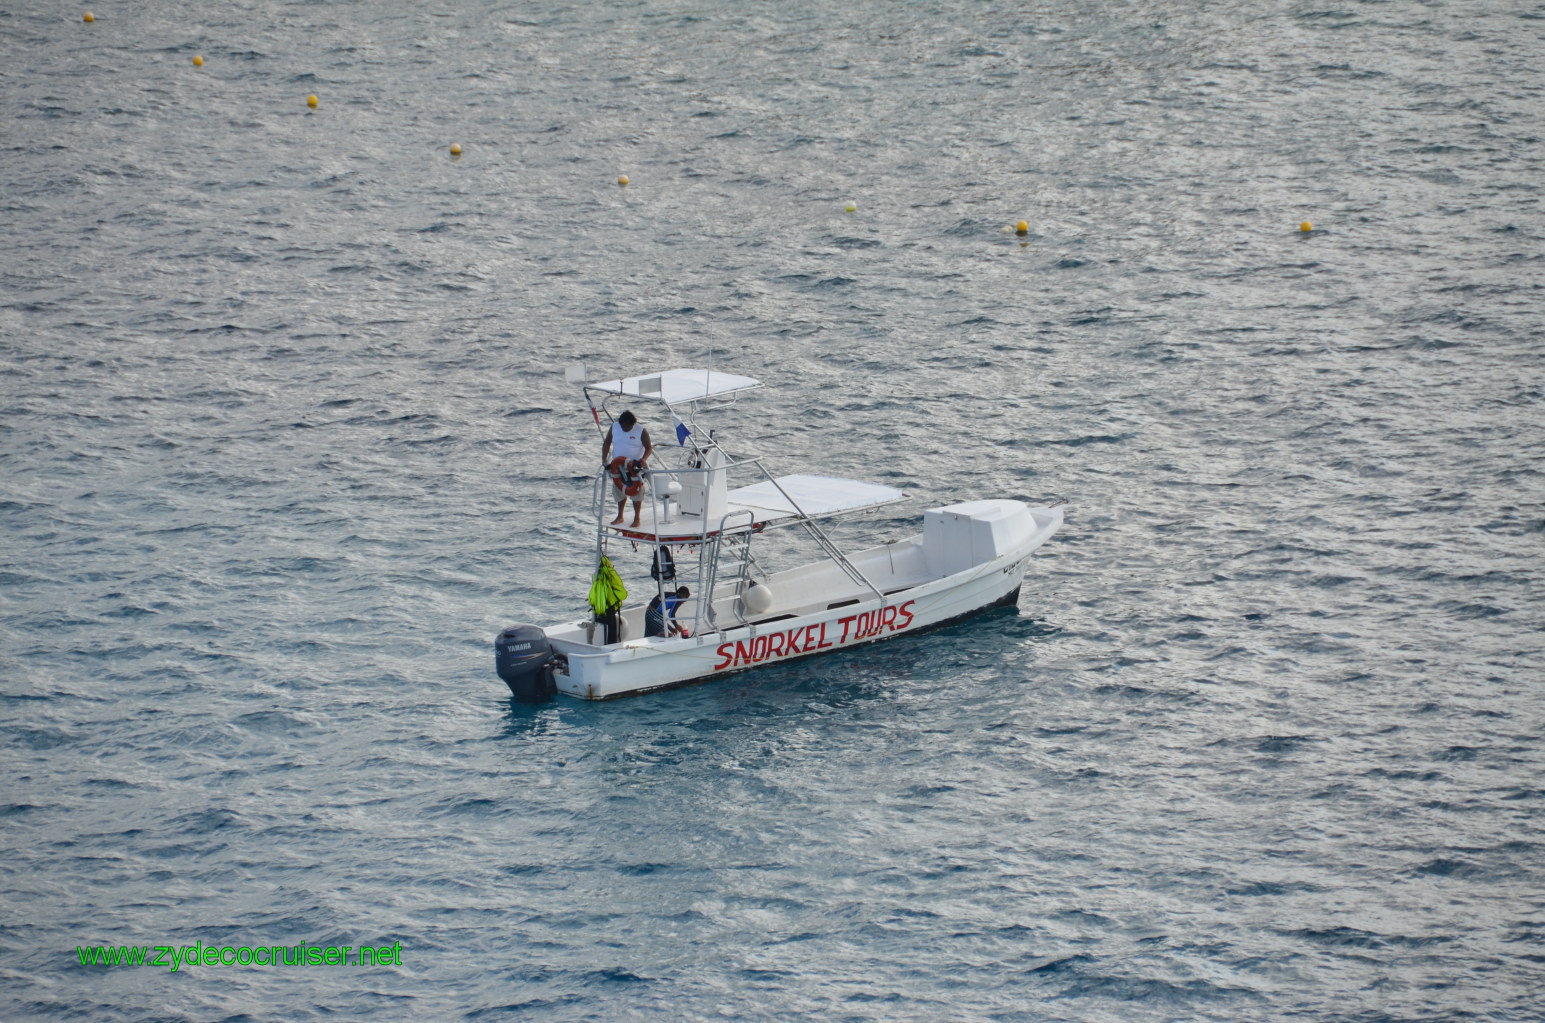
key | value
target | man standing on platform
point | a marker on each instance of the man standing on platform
(625, 451)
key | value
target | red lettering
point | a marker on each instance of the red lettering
(813, 637)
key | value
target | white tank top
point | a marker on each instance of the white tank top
(628, 443)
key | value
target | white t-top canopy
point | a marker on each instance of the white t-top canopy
(678, 386)
(816, 497)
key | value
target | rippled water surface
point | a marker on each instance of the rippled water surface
(286, 440)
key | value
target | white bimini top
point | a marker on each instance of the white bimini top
(678, 386)
(811, 496)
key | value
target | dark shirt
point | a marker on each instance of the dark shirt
(654, 620)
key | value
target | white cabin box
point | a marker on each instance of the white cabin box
(958, 536)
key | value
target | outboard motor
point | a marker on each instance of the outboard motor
(524, 659)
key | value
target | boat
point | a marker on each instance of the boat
(705, 518)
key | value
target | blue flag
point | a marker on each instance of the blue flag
(682, 433)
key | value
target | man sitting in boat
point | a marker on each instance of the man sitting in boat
(626, 450)
(660, 616)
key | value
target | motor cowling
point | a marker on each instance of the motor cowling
(524, 659)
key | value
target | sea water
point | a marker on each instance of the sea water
(286, 440)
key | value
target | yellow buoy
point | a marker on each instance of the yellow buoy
(1306, 226)
(851, 207)
(198, 61)
(623, 180)
(455, 148)
(311, 101)
(89, 17)
(1023, 227)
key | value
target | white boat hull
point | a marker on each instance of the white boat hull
(933, 595)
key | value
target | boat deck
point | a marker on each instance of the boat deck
(809, 589)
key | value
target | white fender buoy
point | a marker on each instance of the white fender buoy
(758, 598)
